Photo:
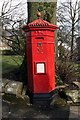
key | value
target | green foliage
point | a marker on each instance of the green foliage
(66, 71)
(47, 16)
(49, 11)
(40, 8)
(46, 4)
(8, 52)
(10, 63)
(34, 7)
(58, 80)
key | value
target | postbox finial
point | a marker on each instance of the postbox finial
(38, 15)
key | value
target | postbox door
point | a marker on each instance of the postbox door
(40, 74)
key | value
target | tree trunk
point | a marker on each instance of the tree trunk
(33, 8)
(78, 49)
(72, 40)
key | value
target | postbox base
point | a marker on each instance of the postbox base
(42, 98)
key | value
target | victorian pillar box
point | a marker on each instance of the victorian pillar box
(40, 59)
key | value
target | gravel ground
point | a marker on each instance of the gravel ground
(19, 110)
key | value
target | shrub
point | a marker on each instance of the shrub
(66, 71)
(8, 52)
(58, 80)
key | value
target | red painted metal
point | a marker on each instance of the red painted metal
(40, 51)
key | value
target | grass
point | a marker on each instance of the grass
(10, 63)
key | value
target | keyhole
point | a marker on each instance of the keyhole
(39, 44)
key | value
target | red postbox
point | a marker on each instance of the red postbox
(40, 60)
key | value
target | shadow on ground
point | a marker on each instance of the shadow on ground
(21, 109)
(29, 111)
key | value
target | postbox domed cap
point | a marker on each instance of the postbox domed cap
(39, 23)
(38, 15)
